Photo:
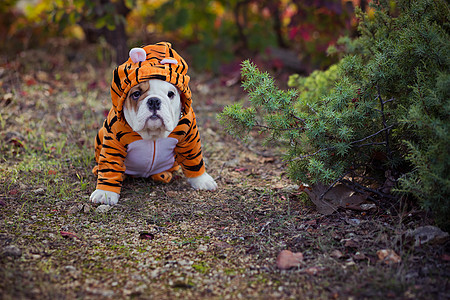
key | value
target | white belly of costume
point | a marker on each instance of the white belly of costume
(145, 157)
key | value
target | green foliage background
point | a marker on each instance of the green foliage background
(212, 32)
(386, 116)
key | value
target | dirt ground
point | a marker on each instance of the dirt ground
(169, 241)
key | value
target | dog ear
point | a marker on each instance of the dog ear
(138, 55)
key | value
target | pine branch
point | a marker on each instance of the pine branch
(352, 143)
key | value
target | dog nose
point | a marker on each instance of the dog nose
(154, 103)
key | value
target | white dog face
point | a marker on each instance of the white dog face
(152, 108)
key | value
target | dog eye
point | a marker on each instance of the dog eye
(170, 94)
(136, 95)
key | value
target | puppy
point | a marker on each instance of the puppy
(151, 129)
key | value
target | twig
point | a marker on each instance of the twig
(372, 135)
(386, 134)
(297, 118)
(264, 227)
(347, 182)
(371, 144)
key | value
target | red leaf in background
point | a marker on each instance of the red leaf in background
(52, 172)
(305, 34)
(293, 33)
(31, 81)
(105, 112)
(241, 169)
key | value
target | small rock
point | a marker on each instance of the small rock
(368, 206)
(103, 208)
(427, 234)
(39, 191)
(355, 222)
(74, 209)
(287, 259)
(12, 251)
(70, 268)
(86, 208)
(202, 248)
(232, 163)
(291, 188)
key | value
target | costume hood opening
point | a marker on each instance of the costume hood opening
(157, 61)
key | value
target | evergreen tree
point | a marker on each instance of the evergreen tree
(381, 113)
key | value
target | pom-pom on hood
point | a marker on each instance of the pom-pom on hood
(157, 61)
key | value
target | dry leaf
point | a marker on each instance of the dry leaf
(388, 256)
(349, 243)
(336, 254)
(67, 234)
(144, 235)
(359, 256)
(313, 270)
(427, 234)
(338, 196)
(287, 259)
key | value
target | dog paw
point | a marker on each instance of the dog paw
(203, 182)
(104, 197)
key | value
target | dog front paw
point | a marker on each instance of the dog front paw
(203, 182)
(104, 197)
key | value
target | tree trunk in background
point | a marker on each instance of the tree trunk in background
(116, 38)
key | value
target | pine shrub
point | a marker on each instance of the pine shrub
(381, 113)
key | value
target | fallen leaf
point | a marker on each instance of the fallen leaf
(313, 270)
(67, 234)
(144, 235)
(350, 243)
(336, 254)
(14, 192)
(287, 259)
(338, 196)
(388, 256)
(359, 256)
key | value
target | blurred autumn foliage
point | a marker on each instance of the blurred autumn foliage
(291, 34)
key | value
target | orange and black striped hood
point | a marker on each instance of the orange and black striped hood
(130, 74)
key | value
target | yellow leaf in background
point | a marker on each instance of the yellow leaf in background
(371, 13)
(76, 31)
(217, 8)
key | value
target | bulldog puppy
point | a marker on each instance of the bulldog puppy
(156, 136)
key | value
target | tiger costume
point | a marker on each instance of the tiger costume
(115, 137)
